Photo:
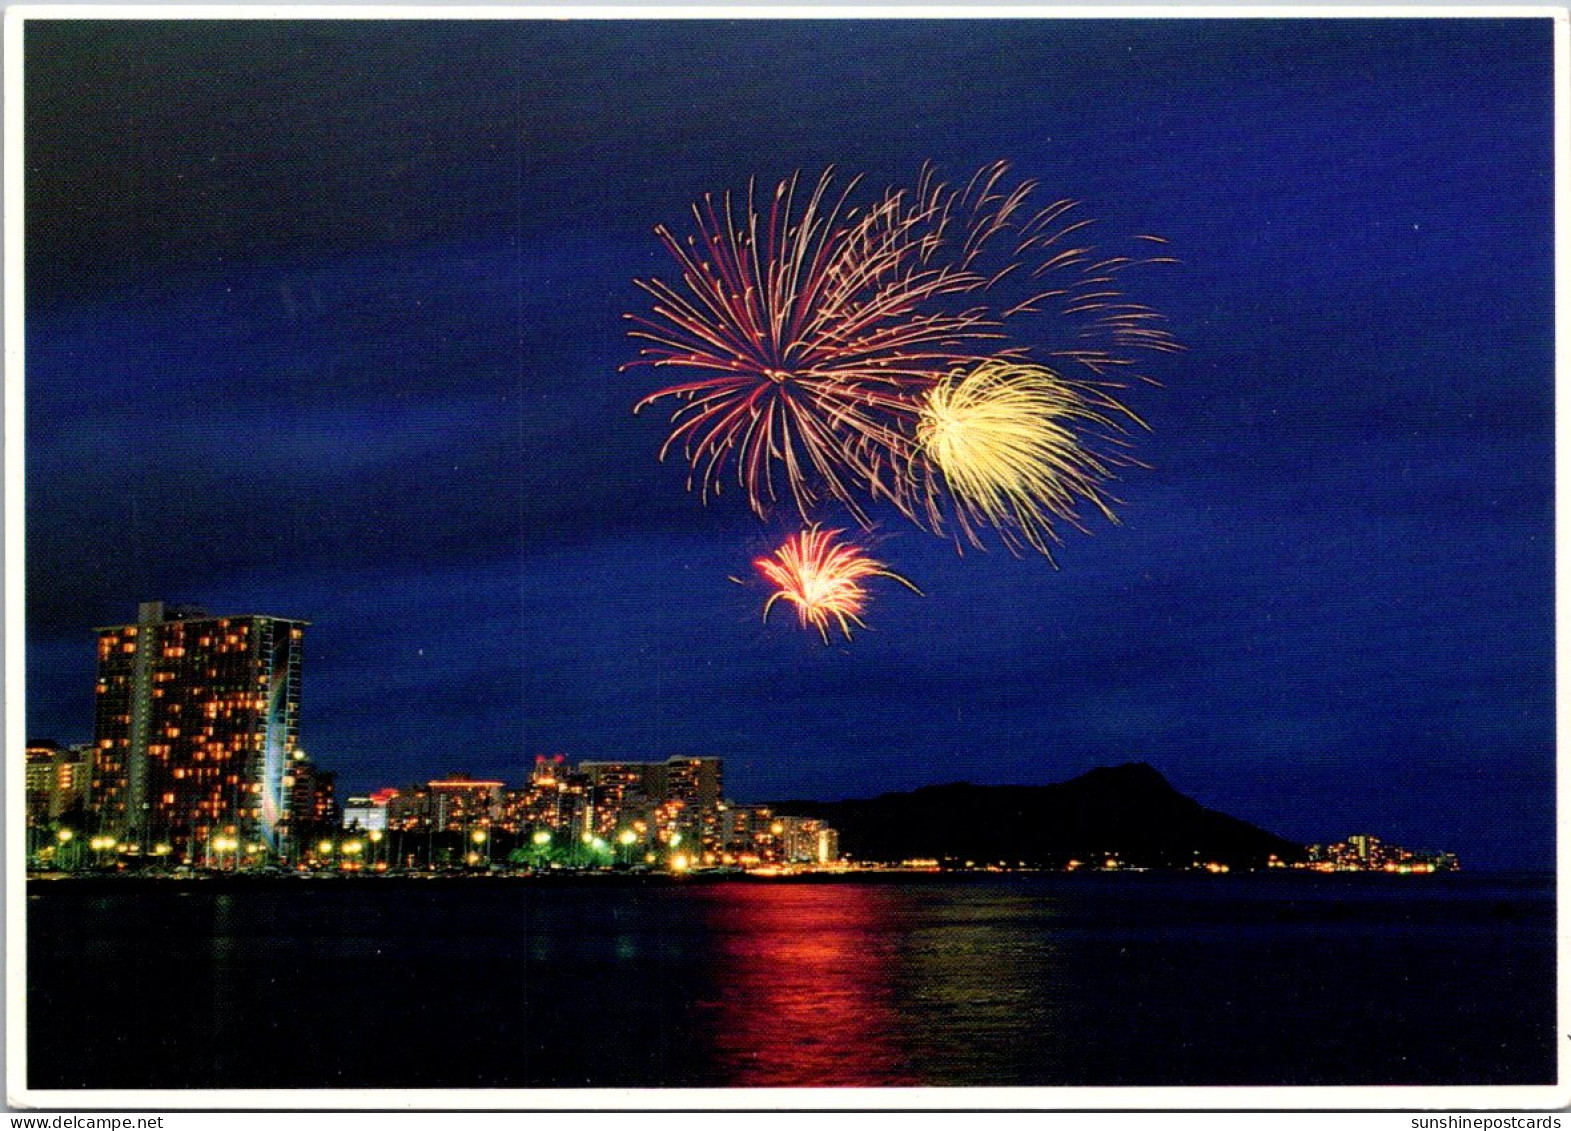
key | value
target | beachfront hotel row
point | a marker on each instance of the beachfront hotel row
(196, 760)
(196, 757)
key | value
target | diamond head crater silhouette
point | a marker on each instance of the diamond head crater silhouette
(1129, 813)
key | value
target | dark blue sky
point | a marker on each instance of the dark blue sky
(324, 321)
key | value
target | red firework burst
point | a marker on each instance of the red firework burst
(823, 579)
(817, 327)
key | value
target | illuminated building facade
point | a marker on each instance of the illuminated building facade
(751, 834)
(805, 840)
(409, 808)
(678, 797)
(458, 802)
(828, 845)
(1363, 853)
(735, 825)
(367, 813)
(621, 793)
(59, 779)
(694, 784)
(312, 793)
(195, 724)
(604, 814)
(555, 798)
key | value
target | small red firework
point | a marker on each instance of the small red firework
(823, 579)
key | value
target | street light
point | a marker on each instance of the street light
(480, 837)
(101, 845)
(541, 840)
(223, 844)
(626, 838)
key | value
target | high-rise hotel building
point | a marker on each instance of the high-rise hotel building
(681, 794)
(195, 726)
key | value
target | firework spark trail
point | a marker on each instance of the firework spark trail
(823, 579)
(1048, 269)
(819, 328)
(853, 355)
(1009, 442)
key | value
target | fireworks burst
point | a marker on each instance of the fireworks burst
(819, 327)
(918, 352)
(823, 579)
(1004, 439)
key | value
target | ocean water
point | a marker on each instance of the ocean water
(1143, 979)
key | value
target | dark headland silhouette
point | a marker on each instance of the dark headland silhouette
(1129, 812)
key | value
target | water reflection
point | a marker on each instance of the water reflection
(977, 972)
(806, 982)
(1028, 981)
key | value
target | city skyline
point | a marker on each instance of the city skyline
(371, 381)
(141, 786)
(589, 815)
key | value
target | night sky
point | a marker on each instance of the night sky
(324, 321)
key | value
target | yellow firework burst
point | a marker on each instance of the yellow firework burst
(1010, 440)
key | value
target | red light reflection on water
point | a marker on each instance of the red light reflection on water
(806, 982)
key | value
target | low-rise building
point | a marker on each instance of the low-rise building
(59, 781)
